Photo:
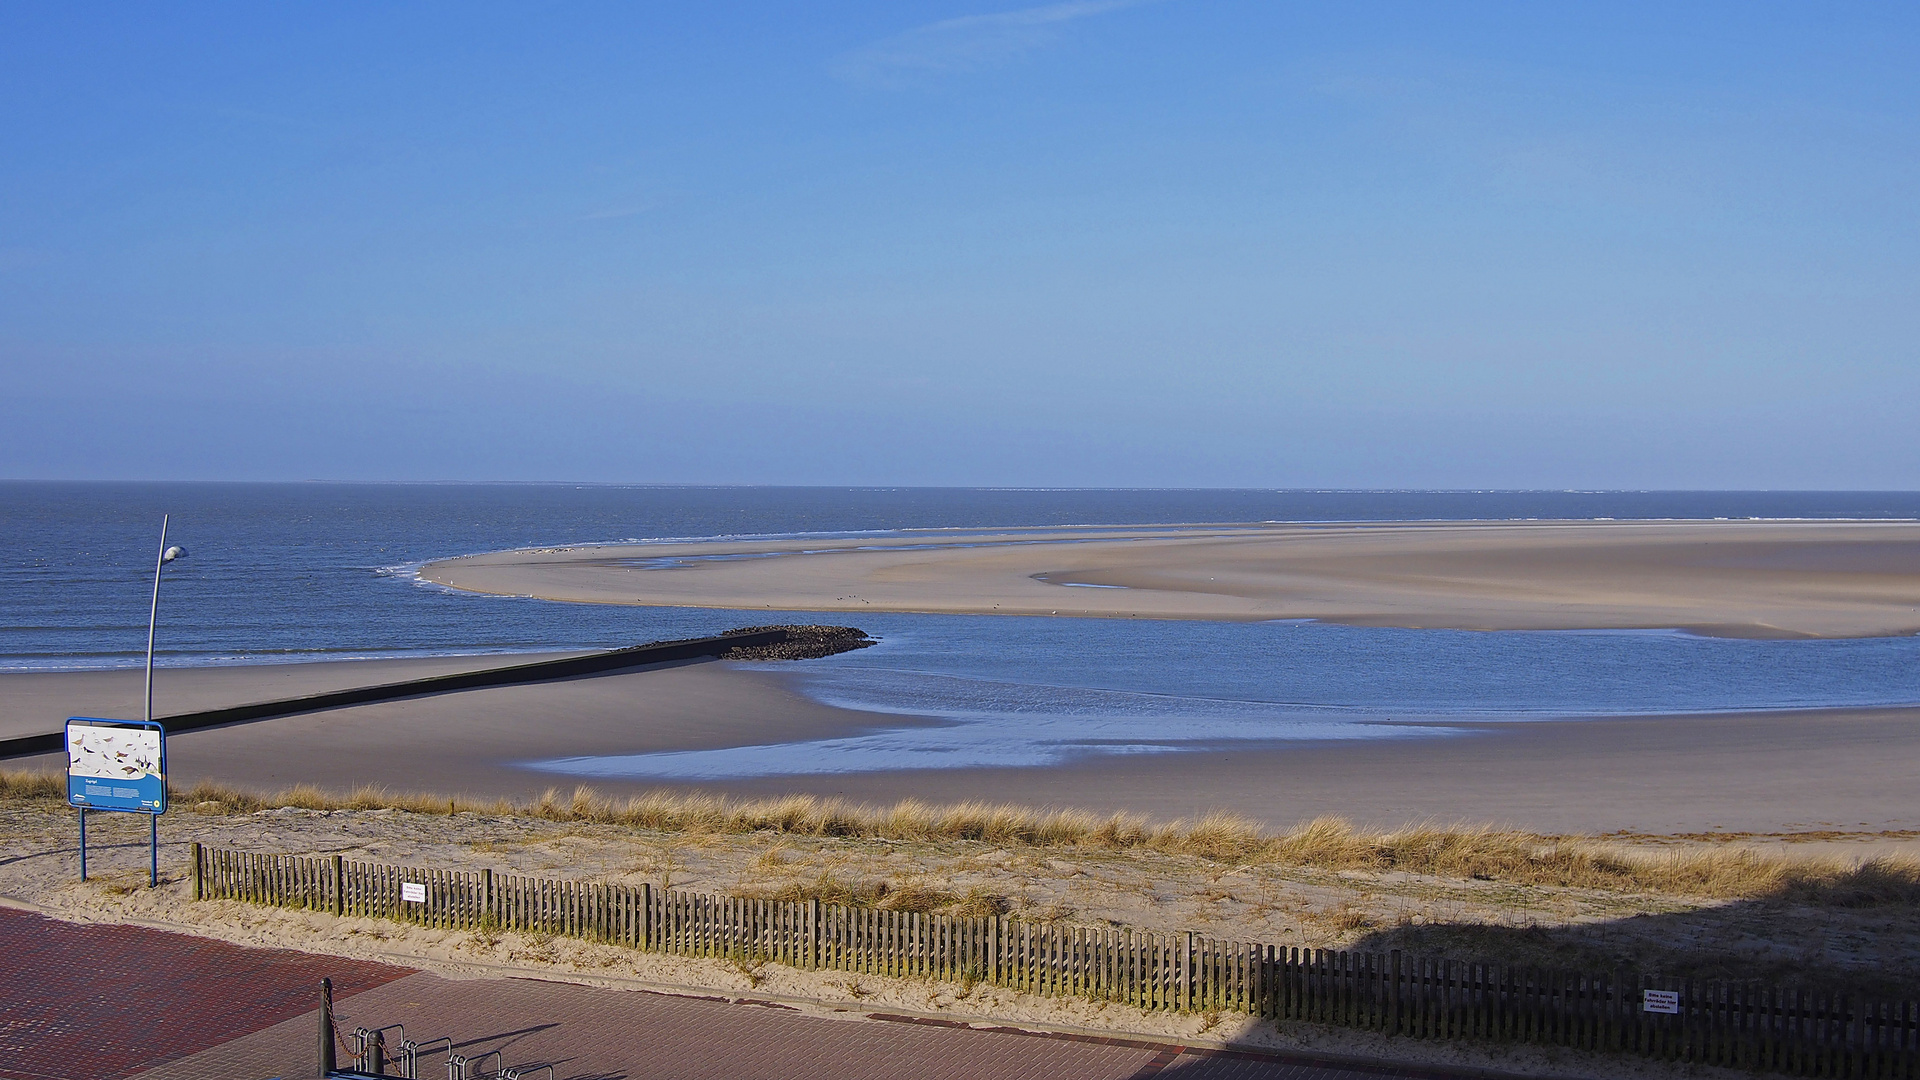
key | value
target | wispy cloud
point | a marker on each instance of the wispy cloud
(967, 43)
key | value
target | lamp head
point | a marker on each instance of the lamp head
(172, 553)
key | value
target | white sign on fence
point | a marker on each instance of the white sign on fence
(413, 892)
(1660, 1001)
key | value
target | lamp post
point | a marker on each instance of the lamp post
(167, 555)
(140, 797)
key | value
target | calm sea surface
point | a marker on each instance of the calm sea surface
(288, 572)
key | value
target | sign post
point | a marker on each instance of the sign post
(118, 765)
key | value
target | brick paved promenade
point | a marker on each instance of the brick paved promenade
(104, 1002)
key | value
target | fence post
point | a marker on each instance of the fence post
(1393, 996)
(339, 887)
(813, 934)
(197, 892)
(486, 897)
(1189, 993)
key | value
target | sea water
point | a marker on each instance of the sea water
(1009, 691)
(289, 572)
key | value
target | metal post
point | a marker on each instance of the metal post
(153, 612)
(326, 1028)
(153, 618)
(83, 843)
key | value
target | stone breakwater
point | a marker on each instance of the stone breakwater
(801, 643)
(752, 643)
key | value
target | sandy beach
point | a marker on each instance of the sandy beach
(32, 702)
(1832, 783)
(1839, 772)
(458, 743)
(1724, 578)
(1822, 777)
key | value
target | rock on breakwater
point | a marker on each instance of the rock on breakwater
(802, 643)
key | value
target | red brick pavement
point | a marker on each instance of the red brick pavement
(100, 1002)
(588, 1033)
(81, 1002)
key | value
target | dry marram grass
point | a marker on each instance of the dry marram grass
(1460, 851)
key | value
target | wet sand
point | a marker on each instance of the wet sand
(462, 743)
(1723, 578)
(33, 702)
(1805, 771)
(1844, 771)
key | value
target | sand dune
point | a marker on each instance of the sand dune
(1724, 578)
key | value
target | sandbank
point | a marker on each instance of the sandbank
(1725, 578)
(1825, 777)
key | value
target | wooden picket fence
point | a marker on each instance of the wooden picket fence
(1731, 1024)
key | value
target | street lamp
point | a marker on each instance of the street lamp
(167, 555)
(119, 797)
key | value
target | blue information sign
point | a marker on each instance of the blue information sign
(117, 765)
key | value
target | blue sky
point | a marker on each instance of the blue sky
(1087, 243)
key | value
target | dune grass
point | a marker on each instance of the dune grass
(17, 786)
(1330, 843)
